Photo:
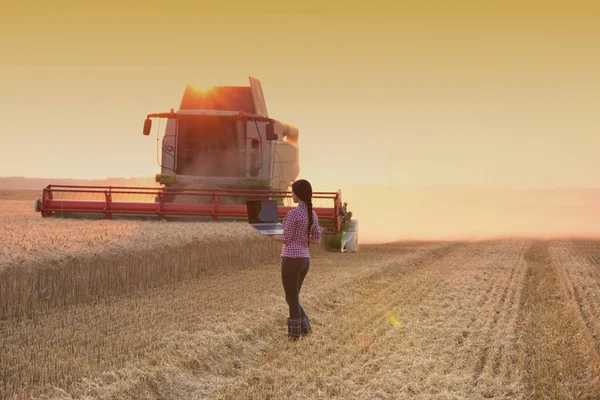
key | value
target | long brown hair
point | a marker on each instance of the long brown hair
(303, 189)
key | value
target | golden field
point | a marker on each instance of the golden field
(11, 194)
(49, 262)
(176, 311)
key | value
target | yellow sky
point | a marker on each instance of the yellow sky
(456, 93)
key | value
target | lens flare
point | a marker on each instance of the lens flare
(393, 320)
(365, 342)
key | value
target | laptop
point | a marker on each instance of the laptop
(263, 216)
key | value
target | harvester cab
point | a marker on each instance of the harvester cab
(222, 138)
(218, 150)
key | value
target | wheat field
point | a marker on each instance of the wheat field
(52, 262)
(11, 194)
(513, 318)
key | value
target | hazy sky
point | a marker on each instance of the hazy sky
(506, 93)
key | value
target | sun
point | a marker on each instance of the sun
(203, 90)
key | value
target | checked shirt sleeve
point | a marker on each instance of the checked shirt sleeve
(315, 232)
(289, 222)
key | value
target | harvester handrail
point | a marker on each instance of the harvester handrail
(161, 188)
(182, 191)
(193, 193)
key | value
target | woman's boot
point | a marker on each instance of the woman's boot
(294, 328)
(305, 325)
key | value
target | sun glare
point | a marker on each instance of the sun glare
(204, 90)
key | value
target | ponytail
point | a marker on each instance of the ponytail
(310, 218)
(303, 190)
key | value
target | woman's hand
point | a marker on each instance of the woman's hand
(277, 238)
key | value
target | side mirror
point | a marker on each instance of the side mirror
(271, 135)
(147, 126)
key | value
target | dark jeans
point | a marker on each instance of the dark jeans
(293, 272)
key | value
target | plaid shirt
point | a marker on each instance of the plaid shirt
(295, 232)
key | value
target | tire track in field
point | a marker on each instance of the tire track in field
(458, 326)
(501, 327)
(587, 253)
(483, 302)
(495, 269)
(365, 353)
(334, 348)
(491, 323)
(506, 319)
(558, 358)
(333, 302)
(581, 280)
(382, 294)
(334, 296)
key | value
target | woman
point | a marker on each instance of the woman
(300, 229)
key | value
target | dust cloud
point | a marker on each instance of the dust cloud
(216, 163)
(387, 214)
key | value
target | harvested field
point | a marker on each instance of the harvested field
(512, 318)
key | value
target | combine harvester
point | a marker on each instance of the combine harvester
(218, 150)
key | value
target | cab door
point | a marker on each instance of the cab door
(168, 159)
